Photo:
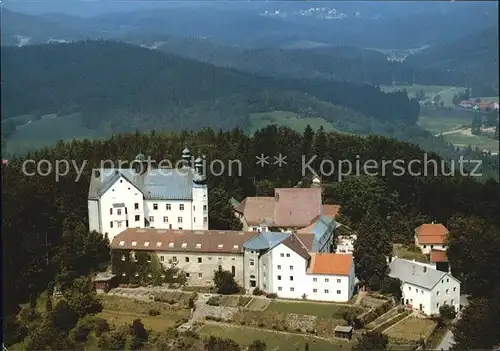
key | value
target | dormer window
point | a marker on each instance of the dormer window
(158, 244)
(198, 246)
(170, 244)
(220, 246)
(146, 243)
(184, 245)
(122, 243)
(134, 243)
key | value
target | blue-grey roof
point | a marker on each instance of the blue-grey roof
(155, 184)
(321, 226)
(415, 273)
(265, 240)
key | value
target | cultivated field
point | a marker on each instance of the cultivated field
(121, 310)
(309, 308)
(274, 340)
(46, 132)
(410, 329)
(287, 119)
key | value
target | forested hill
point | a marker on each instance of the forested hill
(130, 85)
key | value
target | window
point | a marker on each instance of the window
(279, 277)
(111, 224)
(338, 292)
(181, 207)
(233, 271)
(437, 293)
(282, 255)
(123, 257)
(174, 259)
(291, 268)
(110, 211)
(137, 218)
(194, 208)
(326, 291)
(165, 219)
(338, 280)
(432, 246)
(200, 275)
(315, 290)
(287, 255)
(315, 279)
(162, 258)
(126, 223)
(425, 246)
(292, 289)
(454, 289)
(179, 219)
(187, 275)
(279, 288)
(205, 220)
(437, 305)
(279, 267)
(136, 206)
(170, 226)
(446, 302)
(119, 224)
(447, 280)
(194, 219)
(199, 259)
(416, 290)
(204, 207)
(409, 288)
(327, 280)
(452, 302)
(291, 277)
(169, 207)
(119, 211)
(442, 281)
(252, 262)
(187, 259)
(151, 219)
(446, 291)
(155, 206)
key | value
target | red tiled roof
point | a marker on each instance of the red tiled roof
(431, 233)
(181, 240)
(438, 256)
(331, 210)
(330, 263)
(291, 207)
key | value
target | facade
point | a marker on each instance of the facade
(198, 253)
(430, 236)
(284, 264)
(425, 288)
(148, 198)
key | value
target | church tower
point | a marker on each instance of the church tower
(200, 196)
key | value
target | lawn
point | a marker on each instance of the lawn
(310, 308)
(234, 301)
(274, 341)
(480, 141)
(401, 251)
(440, 124)
(287, 119)
(410, 329)
(120, 310)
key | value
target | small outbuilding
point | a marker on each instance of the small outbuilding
(343, 332)
(105, 281)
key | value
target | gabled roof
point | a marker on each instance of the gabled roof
(155, 184)
(431, 233)
(331, 210)
(207, 241)
(438, 256)
(296, 245)
(416, 274)
(268, 240)
(290, 207)
(319, 226)
(330, 263)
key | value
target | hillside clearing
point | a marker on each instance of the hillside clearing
(287, 119)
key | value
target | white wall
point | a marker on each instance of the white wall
(416, 296)
(324, 287)
(172, 216)
(283, 259)
(426, 249)
(446, 292)
(200, 208)
(121, 192)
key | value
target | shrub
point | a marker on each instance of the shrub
(274, 327)
(272, 296)
(257, 292)
(214, 301)
(242, 322)
(447, 312)
(298, 330)
(101, 326)
(261, 325)
(154, 312)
